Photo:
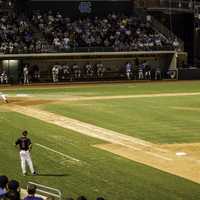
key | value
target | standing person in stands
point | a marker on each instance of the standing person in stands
(25, 146)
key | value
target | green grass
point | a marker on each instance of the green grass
(99, 173)
(155, 119)
(109, 89)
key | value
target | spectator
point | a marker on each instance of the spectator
(31, 193)
(176, 44)
(60, 33)
(117, 31)
(3, 185)
(13, 190)
(81, 198)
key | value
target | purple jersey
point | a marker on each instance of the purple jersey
(23, 143)
(33, 198)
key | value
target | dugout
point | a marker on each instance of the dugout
(114, 63)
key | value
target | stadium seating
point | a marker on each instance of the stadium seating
(115, 31)
(44, 32)
(10, 190)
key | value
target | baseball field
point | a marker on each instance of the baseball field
(131, 141)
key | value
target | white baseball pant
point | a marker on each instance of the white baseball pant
(26, 158)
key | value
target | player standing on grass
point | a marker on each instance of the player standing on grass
(3, 97)
(25, 144)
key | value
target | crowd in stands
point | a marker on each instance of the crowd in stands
(116, 31)
(53, 32)
(10, 190)
(6, 4)
(16, 35)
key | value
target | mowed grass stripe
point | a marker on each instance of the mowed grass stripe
(107, 89)
(151, 119)
(104, 174)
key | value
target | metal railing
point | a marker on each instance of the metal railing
(46, 191)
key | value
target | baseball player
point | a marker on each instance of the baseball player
(55, 72)
(100, 70)
(89, 70)
(141, 71)
(3, 97)
(128, 70)
(148, 72)
(4, 77)
(158, 73)
(25, 145)
(26, 74)
(77, 71)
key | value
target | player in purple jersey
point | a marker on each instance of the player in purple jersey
(25, 145)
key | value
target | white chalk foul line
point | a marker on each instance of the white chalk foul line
(90, 130)
(159, 156)
(147, 152)
(57, 152)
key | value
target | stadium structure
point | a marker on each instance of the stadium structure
(160, 34)
(109, 93)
